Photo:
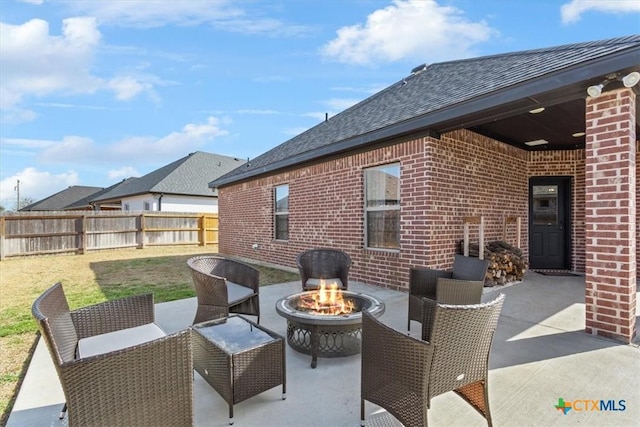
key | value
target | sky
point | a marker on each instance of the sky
(93, 92)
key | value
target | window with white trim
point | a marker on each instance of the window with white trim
(382, 206)
(281, 212)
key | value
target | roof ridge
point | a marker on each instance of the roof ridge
(635, 38)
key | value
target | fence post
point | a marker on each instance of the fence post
(141, 232)
(2, 232)
(202, 233)
(83, 235)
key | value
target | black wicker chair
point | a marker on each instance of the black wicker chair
(146, 383)
(462, 285)
(402, 374)
(224, 286)
(323, 264)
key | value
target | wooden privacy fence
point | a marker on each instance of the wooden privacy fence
(57, 232)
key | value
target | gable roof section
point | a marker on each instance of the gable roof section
(188, 176)
(453, 95)
(63, 199)
(87, 202)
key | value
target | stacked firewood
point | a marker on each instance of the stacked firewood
(506, 263)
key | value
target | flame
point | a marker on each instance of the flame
(326, 301)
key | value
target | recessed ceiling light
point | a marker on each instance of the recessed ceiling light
(536, 142)
(578, 134)
(537, 110)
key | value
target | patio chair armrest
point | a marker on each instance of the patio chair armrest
(113, 315)
(133, 384)
(392, 361)
(428, 316)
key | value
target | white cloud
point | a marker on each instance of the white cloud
(123, 172)
(369, 89)
(17, 115)
(32, 1)
(154, 13)
(126, 87)
(258, 112)
(36, 63)
(136, 149)
(408, 29)
(27, 143)
(572, 11)
(296, 130)
(340, 104)
(34, 184)
(222, 14)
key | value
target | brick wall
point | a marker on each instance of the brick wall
(472, 175)
(442, 181)
(611, 226)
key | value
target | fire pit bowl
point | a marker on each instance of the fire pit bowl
(326, 335)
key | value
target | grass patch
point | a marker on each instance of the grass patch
(88, 279)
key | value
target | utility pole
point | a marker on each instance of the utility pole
(17, 188)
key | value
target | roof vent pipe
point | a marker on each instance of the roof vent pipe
(419, 68)
(326, 117)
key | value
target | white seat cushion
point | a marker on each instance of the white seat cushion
(313, 283)
(117, 340)
(237, 292)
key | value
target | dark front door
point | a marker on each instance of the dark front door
(549, 222)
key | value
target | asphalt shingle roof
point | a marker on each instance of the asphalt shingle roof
(434, 89)
(63, 199)
(189, 175)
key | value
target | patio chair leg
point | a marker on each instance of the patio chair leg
(230, 415)
(362, 423)
(63, 412)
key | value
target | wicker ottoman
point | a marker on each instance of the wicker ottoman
(238, 358)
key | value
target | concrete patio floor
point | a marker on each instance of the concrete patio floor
(540, 354)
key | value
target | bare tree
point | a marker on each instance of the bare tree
(25, 201)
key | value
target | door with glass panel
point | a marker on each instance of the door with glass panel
(549, 222)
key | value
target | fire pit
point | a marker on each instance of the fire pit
(326, 322)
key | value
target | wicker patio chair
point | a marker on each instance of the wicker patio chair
(147, 383)
(323, 264)
(224, 286)
(460, 287)
(402, 374)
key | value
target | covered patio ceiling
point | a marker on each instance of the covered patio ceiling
(557, 117)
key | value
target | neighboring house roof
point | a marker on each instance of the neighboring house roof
(63, 199)
(472, 93)
(87, 202)
(187, 176)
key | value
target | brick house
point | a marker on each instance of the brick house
(390, 179)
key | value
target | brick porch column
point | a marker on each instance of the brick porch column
(610, 215)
